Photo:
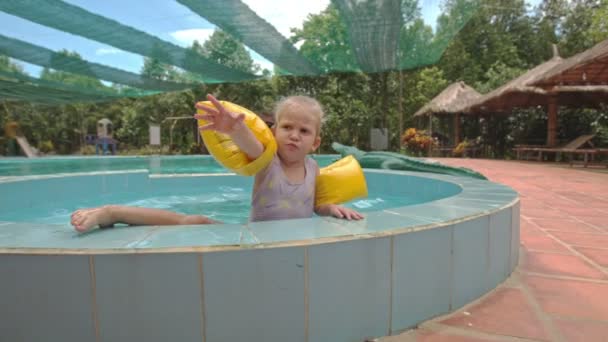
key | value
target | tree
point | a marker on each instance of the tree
(598, 29)
(574, 36)
(9, 66)
(81, 81)
(224, 49)
(324, 41)
(496, 32)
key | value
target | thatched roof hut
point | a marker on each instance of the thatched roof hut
(452, 99)
(589, 67)
(521, 92)
(515, 93)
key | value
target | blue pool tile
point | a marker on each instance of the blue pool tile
(298, 229)
(377, 221)
(149, 297)
(421, 286)
(255, 295)
(64, 236)
(45, 298)
(515, 221)
(188, 236)
(470, 261)
(500, 246)
(436, 212)
(349, 290)
(505, 197)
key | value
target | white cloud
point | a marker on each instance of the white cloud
(284, 15)
(185, 38)
(107, 51)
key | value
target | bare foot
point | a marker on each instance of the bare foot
(85, 219)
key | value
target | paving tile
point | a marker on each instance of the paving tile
(437, 336)
(505, 312)
(599, 256)
(582, 240)
(541, 242)
(581, 211)
(599, 222)
(542, 213)
(582, 331)
(564, 225)
(559, 264)
(570, 298)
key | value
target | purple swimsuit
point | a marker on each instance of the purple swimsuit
(276, 198)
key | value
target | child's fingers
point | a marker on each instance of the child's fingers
(207, 109)
(206, 117)
(216, 103)
(337, 213)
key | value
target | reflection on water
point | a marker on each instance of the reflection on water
(155, 164)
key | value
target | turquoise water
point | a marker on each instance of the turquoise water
(155, 164)
(223, 198)
(225, 204)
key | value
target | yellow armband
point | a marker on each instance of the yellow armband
(340, 182)
(227, 153)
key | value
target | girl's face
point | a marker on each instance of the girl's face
(296, 134)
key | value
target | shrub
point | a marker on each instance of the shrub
(417, 142)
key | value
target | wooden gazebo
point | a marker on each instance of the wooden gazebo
(588, 68)
(523, 92)
(452, 100)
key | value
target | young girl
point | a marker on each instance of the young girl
(285, 189)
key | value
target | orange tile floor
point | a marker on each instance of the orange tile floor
(559, 291)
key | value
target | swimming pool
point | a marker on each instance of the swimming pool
(318, 279)
(154, 164)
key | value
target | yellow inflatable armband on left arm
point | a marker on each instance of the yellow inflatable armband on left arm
(227, 153)
(340, 182)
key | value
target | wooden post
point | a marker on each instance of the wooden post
(552, 123)
(400, 103)
(456, 129)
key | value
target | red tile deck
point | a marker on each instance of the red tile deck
(559, 291)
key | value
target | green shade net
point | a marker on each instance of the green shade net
(382, 35)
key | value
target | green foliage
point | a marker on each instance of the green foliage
(500, 42)
(9, 66)
(223, 49)
(324, 40)
(85, 82)
(598, 29)
(496, 76)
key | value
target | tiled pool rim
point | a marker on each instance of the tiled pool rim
(338, 281)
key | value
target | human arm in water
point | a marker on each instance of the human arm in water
(223, 121)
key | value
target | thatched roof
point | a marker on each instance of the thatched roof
(515, 93)
(452, 99)
(589, 67)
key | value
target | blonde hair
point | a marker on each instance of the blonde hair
(312, 106)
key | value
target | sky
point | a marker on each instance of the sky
(169, 21)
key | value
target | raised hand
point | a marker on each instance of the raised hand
(220, 119)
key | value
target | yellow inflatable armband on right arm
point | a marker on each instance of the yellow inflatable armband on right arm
(340, 182)
(227, 153)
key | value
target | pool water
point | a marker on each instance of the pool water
(155, 164)
(228, 204)
(168, 185)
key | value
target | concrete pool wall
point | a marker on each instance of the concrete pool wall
(318, 279)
